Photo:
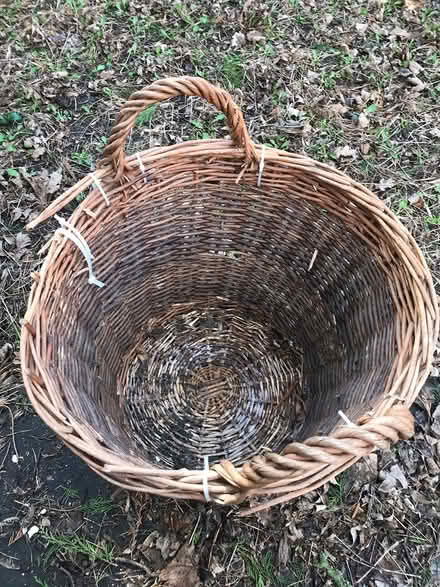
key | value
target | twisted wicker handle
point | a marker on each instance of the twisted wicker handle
(162, 90)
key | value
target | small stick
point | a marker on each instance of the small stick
(388, 550)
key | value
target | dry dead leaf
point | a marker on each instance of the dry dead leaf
(284, 549)
(22, 241)
(54, 181)
(255, 36)
(238, 40)
(361, 27)
(417, 83)
(17, 214)
(435, 426)
(307, 128)
(5, 351)
(38, 152)
(386, 184)
(182, 571)
(399, 32)
(345, 151)
(337, 109)
(108, 74)
(413, 5)
(391, 479)
(9, 563)
(416, 200)
(415, 67)
(363, 120)
(435, 569)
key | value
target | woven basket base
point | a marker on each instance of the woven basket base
(210, 381)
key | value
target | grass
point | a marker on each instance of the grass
(337, 492)
(98, 505)
(233, 70)
(336, 577)
(146, 116)
(259, 569)
(71, 493)
(69, 547)
(262, 569)
(82, 158)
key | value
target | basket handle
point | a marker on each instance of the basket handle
(163, 89)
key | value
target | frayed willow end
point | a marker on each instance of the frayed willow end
(76, 237)
(100, 188)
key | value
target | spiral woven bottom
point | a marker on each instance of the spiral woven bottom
(212, 382)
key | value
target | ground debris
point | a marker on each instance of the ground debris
(182, 570)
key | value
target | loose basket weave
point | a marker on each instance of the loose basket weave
(252, 322)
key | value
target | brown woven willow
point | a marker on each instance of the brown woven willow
(265, 320)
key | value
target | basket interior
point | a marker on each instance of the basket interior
(232, 320)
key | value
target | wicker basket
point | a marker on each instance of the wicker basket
(252, 322)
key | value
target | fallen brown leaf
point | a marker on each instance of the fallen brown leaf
(22, 241)
(416, 200)
(337, 109)
(414, 5)
(386, 184)
(284, 549)
(346, 151)
(238, 40)
(363, 120)
(255, 36)
(54, 181)
(182, 571)
(9, 563)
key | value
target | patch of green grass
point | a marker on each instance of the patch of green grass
(392, 7)
(70, 493)
(196, 538)
(69, 547)
(385, 143)
(337, 492)
(98, 505)
(82, 158)
(432, 220)
(233, 70)
(59, 114)
(260, 569)
(426, 577)
(76, 5)
(336, 577)
(41, 582)
(117, 7)
(204, 129)
(431, 21)
(196, 25)
(8, 141)
(278, 142)
(146, 116)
